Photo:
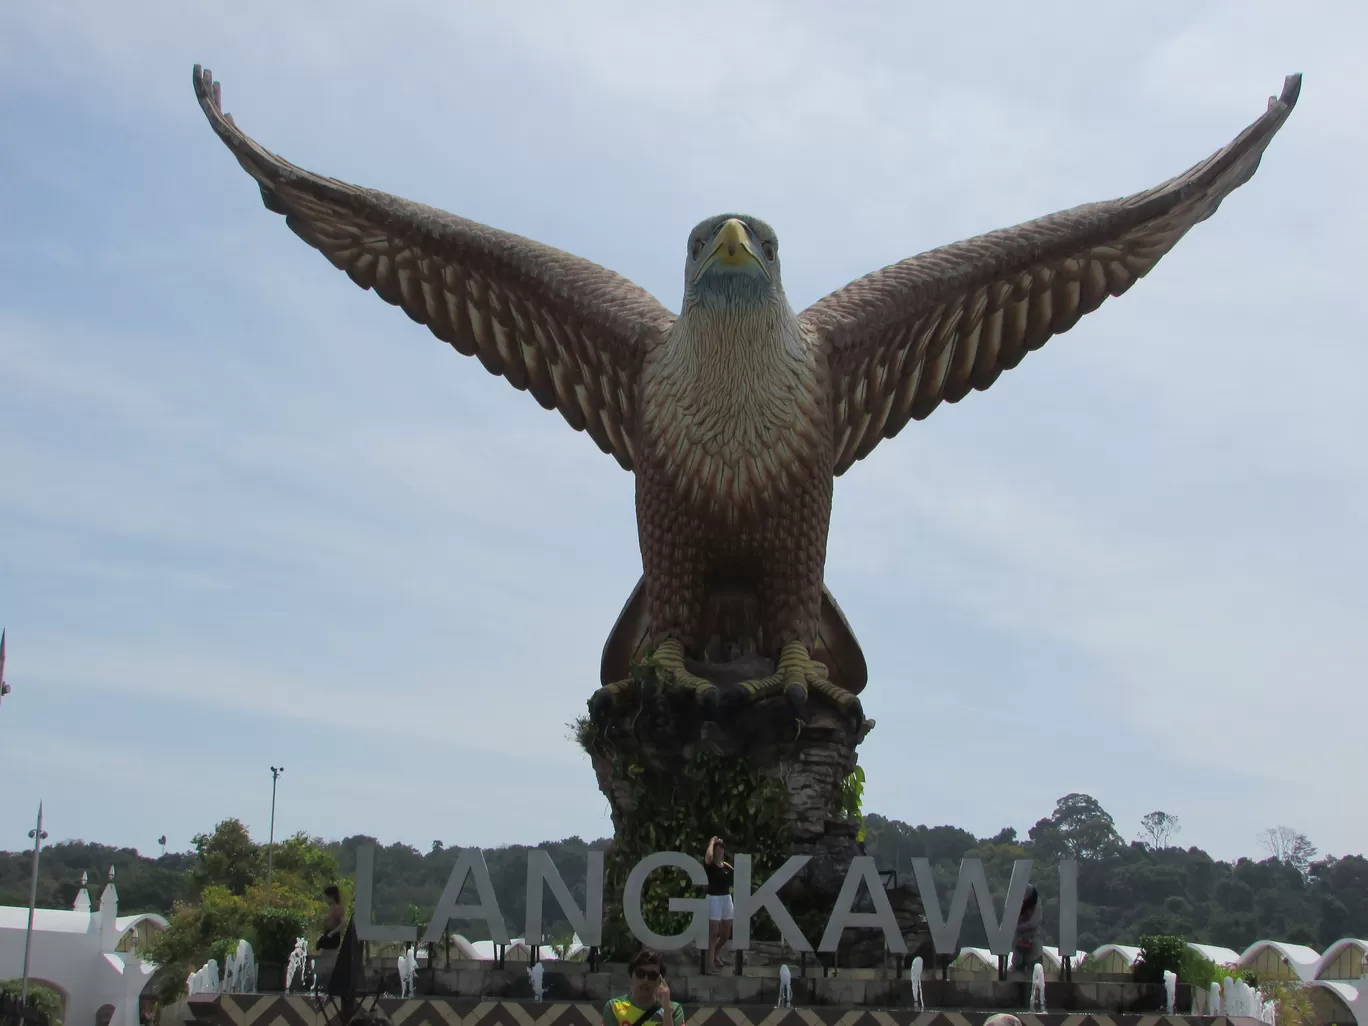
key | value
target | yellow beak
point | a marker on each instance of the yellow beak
(733, 248)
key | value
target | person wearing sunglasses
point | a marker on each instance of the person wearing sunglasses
(648, 1001)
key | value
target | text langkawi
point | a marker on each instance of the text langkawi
(587, 921)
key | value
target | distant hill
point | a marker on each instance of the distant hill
(1125, 889)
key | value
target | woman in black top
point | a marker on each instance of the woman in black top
(335, 921)
(719, 872)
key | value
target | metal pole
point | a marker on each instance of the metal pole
(39, 835)
(4, 688)
(276, 771)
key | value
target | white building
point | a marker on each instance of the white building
(89, 957)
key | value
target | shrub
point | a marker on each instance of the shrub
(1159, 953)
(277, 929)
(1294, 1004)
(41, 999)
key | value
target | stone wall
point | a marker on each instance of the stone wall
(643, 749)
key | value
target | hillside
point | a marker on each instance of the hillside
(1125, 889)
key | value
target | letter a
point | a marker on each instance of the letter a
(449, 907)
(862, 868)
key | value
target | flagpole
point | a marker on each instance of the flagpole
(39, 836)
(4, 688)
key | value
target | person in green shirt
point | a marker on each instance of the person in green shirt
(648, 1001)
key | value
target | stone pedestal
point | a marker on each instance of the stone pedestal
(766, 779)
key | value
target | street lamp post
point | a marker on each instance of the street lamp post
(276, 771)
(39, 835)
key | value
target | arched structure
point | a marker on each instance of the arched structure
(1340, 983)
(1276, 960)
(88, 956)
(974, 964)
(1054, 961)
(1114, 958)
(1216, 953)
(55, 987)
(462, 949)
(1346, 959)
(518, 950)
(136, 932)
(1338, 1002)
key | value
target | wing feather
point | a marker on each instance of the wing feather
(934, 327)
(568, 331)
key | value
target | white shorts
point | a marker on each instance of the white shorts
(719, 906)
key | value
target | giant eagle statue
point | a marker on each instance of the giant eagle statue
(737, 414)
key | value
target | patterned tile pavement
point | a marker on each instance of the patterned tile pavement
(295, 1010)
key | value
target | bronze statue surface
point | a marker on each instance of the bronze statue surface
(737, 414)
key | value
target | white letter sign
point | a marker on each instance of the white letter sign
(361, 915)
(588, 925)
(863, 870)
(945, 932)
(448, 907)
(747, 904)
(697, 907)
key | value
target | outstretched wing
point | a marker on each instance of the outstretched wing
(567, 330)
(928, 329)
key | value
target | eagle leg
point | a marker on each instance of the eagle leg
(796, 674)
(602, 701)
(669, 657)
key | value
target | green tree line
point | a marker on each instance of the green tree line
(1127, 889)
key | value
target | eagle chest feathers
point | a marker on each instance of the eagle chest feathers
(735, 416)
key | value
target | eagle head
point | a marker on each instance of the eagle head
(732, 265)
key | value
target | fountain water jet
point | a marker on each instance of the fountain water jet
(535, 975)
(205, 980)
(915, 975)
(408, 970)
(297, 964)
(1038, 989)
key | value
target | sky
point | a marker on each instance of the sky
(251, 515)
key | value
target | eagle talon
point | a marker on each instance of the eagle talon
(602, 701)
(796, 677)
(672, 674)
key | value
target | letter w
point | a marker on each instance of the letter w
(945, 932)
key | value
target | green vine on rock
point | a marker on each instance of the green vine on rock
(708, 795)
(852, 800)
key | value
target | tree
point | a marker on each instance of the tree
(1288, 846)
(227, 858)
(1159, 828)
(1086, 830)
(232, 902)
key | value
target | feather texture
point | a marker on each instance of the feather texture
(568, 331)
(932, 328)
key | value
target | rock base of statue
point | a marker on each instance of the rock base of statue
(769, 781)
